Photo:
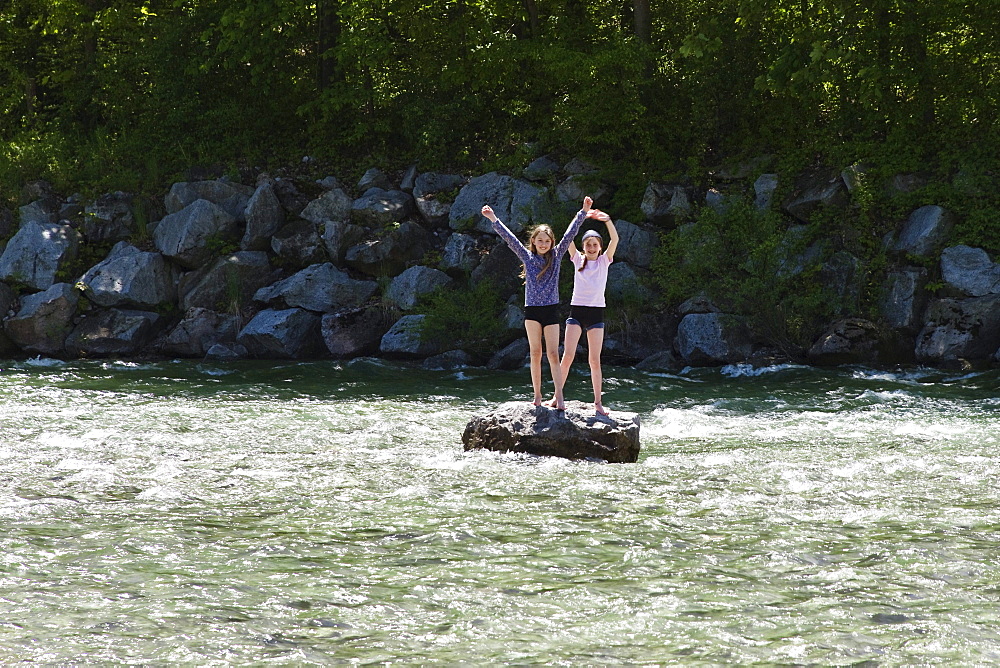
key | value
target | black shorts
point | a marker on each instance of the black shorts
(587, 317)
(544, 315)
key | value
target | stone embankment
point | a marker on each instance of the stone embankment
(289, 268)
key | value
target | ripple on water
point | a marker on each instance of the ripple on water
(326, 512)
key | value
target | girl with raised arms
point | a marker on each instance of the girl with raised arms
(587, 304)
(541, 259)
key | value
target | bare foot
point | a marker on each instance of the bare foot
(537, 402)
(551, 403)
(600, 409)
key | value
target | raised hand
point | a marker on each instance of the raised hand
(587, 203)
(488, 212)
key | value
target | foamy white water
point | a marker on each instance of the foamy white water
(322, 512)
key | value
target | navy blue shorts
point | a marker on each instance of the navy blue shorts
(544, 315)
(586, 317)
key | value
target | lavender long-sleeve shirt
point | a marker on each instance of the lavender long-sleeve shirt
(542, 291)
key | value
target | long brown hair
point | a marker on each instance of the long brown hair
(535, 231)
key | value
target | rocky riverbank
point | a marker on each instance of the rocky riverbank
(293, 268)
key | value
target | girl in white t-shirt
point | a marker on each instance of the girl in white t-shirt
(587, 305)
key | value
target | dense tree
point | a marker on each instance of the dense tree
(99, 89)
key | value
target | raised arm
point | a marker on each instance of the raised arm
(512, 241)
(574, 227)
(613, 233)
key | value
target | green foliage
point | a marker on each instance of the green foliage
(747, 263)
(218, 245)
(123, 95)
(469, 317)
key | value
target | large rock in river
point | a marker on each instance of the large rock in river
(576, 433)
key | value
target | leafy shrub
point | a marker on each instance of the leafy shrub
(744, 261)
(470, 318)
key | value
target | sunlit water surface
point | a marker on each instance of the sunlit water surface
(182, 512)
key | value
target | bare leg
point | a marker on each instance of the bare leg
(534, 330)
(595, 342)
(552, 351)
(569, 353)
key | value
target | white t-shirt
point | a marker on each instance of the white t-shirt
(589, 284)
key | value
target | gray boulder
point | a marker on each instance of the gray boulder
(432, 183)
(230, 197)
(328, 183)
(574, 188)
(433, 210)
(332, 205)
(338, 237)
(228, 284)
(349, 334)
(513, 356)
(817, 190)
(389, 255)
(199, 330)
(717, 201)
(379, 208)
(664, 360)
(44, 320)
(292, 333)
(903, 298)
(299, 244)
(265, 216)
(37, 252)
(541, 169)
(763, 189)
(293, 201)
(512, 318)
(516, 202)
(409, 179)
(711, 339)
(969, 272)
(502, 269)
(109, 218)
(111, 332)
(926, 230)
(847, 341)
(635, 244)
(189, 235)
(579, 166)
(639, 337)
(460, 255)
(226, 352)
(132, 278)
(446, 361)
(624, 284)
(320, 287)
(40, 212)
(406, 289)
(855, 176)
(374, 178)
(665, 202)
(956, 329)
(576, 433)
(404, 339)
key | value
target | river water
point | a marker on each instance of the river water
(322, 513)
